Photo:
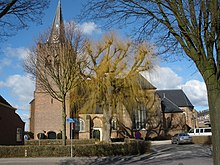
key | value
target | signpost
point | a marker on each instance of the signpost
(71, 120)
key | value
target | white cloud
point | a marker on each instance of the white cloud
(4, 62)
(21, 87)
(20, 53)
(89, 28)
(163, 78)
(196, 91)
(166, 78)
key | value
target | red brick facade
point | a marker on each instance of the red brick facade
(11, 126)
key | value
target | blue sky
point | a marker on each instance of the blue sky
(18, 89)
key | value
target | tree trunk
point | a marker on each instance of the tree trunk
(214, 111)
(164, 124)
(107, 124)
(64, 121)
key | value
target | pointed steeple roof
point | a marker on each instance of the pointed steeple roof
(57, 34)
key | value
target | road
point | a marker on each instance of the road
(163, 154)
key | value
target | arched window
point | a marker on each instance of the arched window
(51, 135)
(140, 116)
(114, 124)
(185, 115)
(81, 125)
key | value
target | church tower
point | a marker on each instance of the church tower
(46, 112)
(57, 34)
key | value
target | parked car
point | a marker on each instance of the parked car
(200, 131)
(181, 138)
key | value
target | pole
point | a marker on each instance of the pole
(71, 140)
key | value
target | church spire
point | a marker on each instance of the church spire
(57, 34)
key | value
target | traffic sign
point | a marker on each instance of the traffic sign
(71, 120)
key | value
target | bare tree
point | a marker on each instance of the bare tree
(112, 66)
(17, 14)
(192, 26)
(55, 66)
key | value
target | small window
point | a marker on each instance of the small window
(208, 130)
(191, 131)
(185, 114)
(19, 135)
(197, 130)
(201, 130)
(81, 125)
(96, 134)
(114, 124)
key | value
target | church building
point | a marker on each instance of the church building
(165, 112)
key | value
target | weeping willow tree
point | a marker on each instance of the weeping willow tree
(110, 76)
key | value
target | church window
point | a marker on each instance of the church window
(51, 135)
(81, 125)
(185, 115)
(114, 124)
(140, 117)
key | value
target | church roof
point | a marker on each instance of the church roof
(176, 96)
(57, 34)
(143, 82)
(169, 107)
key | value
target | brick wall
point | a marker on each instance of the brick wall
(48, 116)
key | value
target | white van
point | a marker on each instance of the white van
(200, 132)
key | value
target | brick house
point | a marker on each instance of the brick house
(11, 125)
(154, 115)
(178, 112)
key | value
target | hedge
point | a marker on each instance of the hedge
(202, 140)
(59, 141)
(111, 149)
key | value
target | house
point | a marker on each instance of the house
(154, 112)
(204, 118)
(11, 125)
(178, 111)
